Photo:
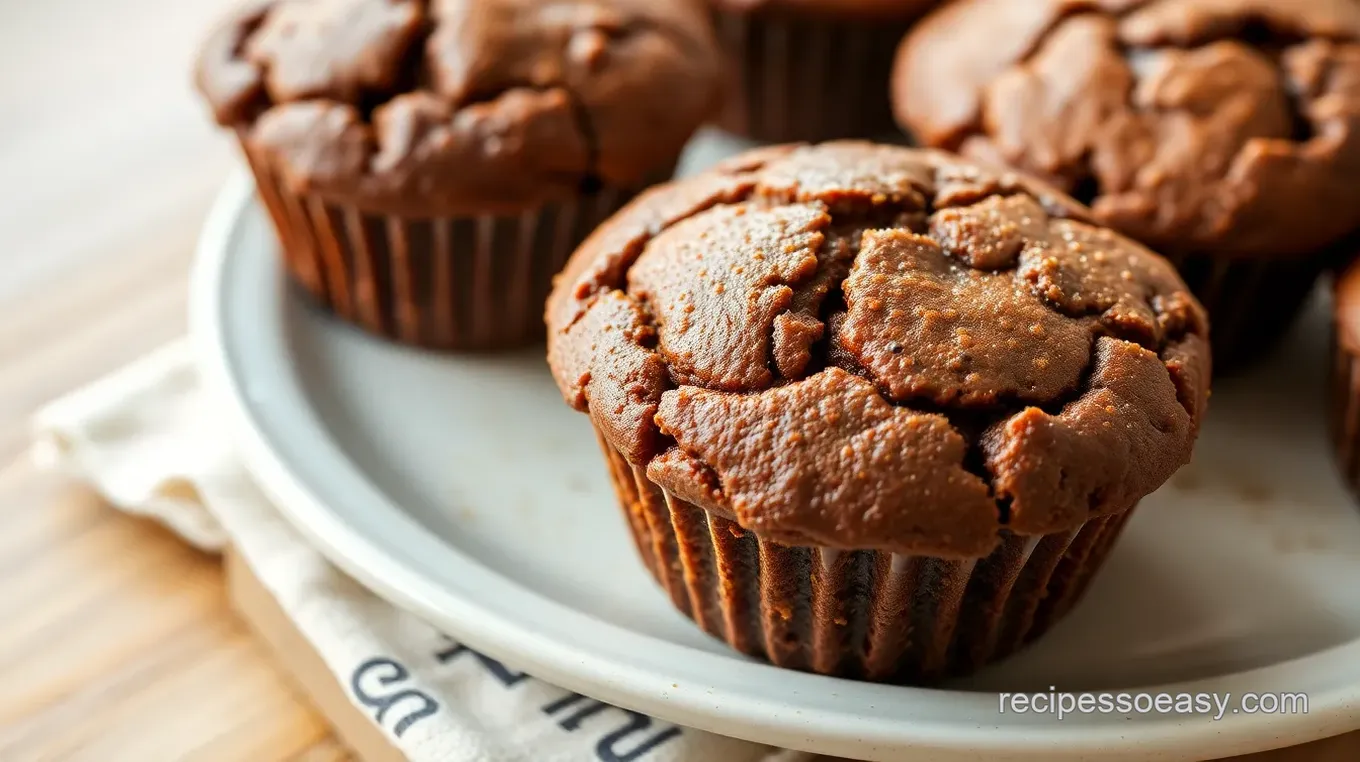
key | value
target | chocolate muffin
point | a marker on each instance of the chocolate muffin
(872, 411)
(812, 70)
(430, 166)
(1224, 135)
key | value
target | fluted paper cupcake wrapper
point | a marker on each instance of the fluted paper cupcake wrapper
(861, 614)
(808, 79)
(470, 283)
(1251, 302)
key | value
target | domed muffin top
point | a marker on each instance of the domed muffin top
(871, 9)
(865, 346)
(1192, 125)
(463, 106)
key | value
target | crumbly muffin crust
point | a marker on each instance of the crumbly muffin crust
(1228, 126)
(436, 107)
(870, 347)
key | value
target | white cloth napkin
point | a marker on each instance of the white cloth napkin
(146, 438)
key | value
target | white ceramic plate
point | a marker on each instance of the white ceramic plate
(464, 490)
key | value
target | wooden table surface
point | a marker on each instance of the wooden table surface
(116, 641)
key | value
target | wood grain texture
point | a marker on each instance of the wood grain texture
(117, 642)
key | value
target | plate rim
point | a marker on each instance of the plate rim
(641, 687)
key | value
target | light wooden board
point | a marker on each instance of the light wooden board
(116, 641)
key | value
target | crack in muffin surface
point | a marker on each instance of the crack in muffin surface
(453, 103)
(1188, 124)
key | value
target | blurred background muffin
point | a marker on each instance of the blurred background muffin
(811, 70)
(872, 411)
(1343, 397)
(1224, 135)
(429, 167)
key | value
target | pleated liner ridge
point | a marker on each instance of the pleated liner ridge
(867, 615)
(471, 283)
(809, 79)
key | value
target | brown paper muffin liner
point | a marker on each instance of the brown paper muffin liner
(467, 283)
(1251, 302)
(863, 614)
(809, 79)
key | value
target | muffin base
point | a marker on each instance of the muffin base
(809, 79)
(1251, 302)
(869, 615)
(461, 283)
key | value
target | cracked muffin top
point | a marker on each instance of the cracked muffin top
(864, 346)
(435, 107)
(1191, 125)
(870, 9)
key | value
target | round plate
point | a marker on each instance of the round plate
(463, 489)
